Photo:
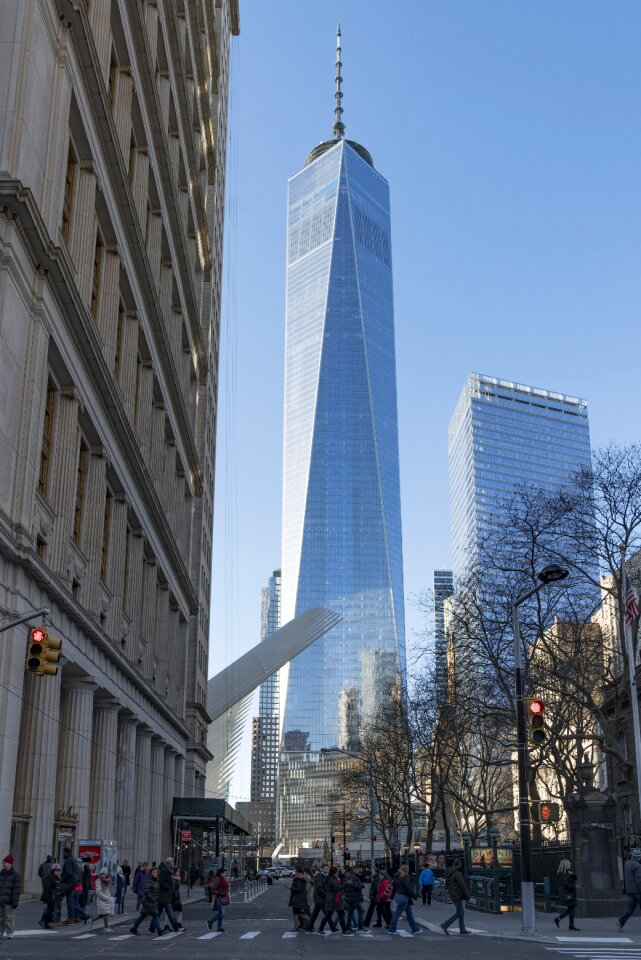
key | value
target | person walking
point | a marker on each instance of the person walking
(320, 879)
(103, 899)
(210, 885)
(353, 893)
(140, 880)
(385, 894)
(9, 895)
(121, 887)
(458, 893)
(426, 885)
(373, 904)
(334, 903)
(298, 900)
(404, 895)
(176, 901)
(165, 882)
(632, 882)
(45, 867)
(221, 899)
(150, 906)
(70, 878)
(566, 885)
(50, 893)
(126, 869)
(85, 882)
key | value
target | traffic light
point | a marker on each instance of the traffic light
(543, 811)
(43, 653)
(536, 711)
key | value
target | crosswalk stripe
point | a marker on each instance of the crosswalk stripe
(403, 933)
(289, 934)
(209, 936)
(595, 940)
(250, 935)
(84, 936)
(123, 936)
(166, 936)
(33, 933)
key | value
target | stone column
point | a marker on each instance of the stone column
(144, 408)
(140, 185)
(158, 446)
(102, 819)
(151, 22)
(93, 527)
(82, 243)
(63, 481)
(127, 811)
(12, 654)
(161, 638)
(116, 565)
(157, 800)
(154, 243)
(167, 830)
(99, 18)
(148, 631)
(74, 751)
(128, 363)
(122, 110)
(133, 589)
(107, 319)
(174, 156)
(36, 772)
(164, 90)
(179, 776)
(143, 794)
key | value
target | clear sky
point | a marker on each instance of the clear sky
(509, 133)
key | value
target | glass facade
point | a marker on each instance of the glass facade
(443, 589)
(341, 503)
(503, 436)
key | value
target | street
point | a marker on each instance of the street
(261, 928)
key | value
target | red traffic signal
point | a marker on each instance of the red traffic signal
(543, 811)
(43, 653)
(536, 710)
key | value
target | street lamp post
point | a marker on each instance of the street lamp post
(549, 574)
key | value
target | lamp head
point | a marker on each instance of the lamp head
(553, 572)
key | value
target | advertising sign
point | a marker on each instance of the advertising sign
(185, 835)
(483, 857)
(110, 859)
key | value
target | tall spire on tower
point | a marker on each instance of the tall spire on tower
(338, 129)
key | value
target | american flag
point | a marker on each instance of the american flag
(632, 611)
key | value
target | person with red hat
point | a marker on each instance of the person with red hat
(9, 895)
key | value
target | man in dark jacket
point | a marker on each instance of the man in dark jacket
(165, 888)
(9, 895)
(70, 878)
(298, 899)
(50, 894)
(353, 893)
(150, 906)
(45, 867)
(373, 905)
(85, 880)
(632, 878)
(334, 903)
(458, 891)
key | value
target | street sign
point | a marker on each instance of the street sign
(186, 835)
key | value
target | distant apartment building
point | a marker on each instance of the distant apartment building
(112, 175)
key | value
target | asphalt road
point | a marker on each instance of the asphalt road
(261, 929)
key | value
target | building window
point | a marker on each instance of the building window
(106, 527)
(97, 270)
(125, 585)
(113, 76)
(119, 335)
(132, 157)
(45, 452)
(70, 182)
(81, 480)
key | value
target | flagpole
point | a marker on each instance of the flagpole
(633, 679)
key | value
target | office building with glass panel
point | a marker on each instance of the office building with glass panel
(443, 589)
(505, 436)
(341, 503)
(266, 726)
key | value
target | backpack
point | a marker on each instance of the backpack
(384, 890)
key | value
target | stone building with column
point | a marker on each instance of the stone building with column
(113, 129)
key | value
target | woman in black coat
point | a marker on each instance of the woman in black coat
(334, 903)
(150, 903)
(566, 885)
(50, 893)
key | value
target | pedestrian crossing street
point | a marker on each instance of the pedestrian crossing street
(228, 934)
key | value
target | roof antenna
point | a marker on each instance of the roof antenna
(339, 127)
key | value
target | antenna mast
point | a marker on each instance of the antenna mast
(339, 127)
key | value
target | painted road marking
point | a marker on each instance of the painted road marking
(251, 934)
(593, 940)
(123, 936)
(210, 936)
(166, 936)
(33, 933)
(289, 934)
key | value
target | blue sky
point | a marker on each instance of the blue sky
(510, 136)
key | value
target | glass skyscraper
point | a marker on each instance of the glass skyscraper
(443, 590)
(504, 436)
(341, 503)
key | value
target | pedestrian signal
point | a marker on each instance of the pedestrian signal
(543, 811)
(43, 653)
(536, 711)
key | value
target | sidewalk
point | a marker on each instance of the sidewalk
(508, 925)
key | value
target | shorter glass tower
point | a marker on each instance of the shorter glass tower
(443, 589)
(505, 436)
